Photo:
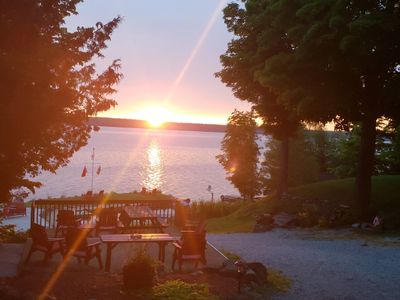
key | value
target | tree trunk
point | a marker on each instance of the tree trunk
(284, 169)
(365, 168)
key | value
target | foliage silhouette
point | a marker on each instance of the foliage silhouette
(49, 88)
(240, 153)
(324, 61)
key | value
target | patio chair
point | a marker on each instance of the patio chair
(41, 242)
(107, 220)
(191, 247)
(125, 219)
(81, 248)
(65, 220)
(199, 227)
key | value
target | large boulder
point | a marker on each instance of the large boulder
(256, 272)
(264, 222)
(284, 220)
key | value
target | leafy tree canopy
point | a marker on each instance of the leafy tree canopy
(48, 87)
(240, 153)
(344, 58)
(325, 60)
(242, 59)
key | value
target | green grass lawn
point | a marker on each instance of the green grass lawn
(385, 200)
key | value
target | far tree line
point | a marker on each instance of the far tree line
(310, 62)
(253, 160)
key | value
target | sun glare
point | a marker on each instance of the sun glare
(156, 116)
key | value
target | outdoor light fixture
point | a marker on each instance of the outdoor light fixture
(241, 271)
(209, 188)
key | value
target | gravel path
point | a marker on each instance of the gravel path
(321, 269)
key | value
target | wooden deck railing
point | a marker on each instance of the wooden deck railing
(44, 212)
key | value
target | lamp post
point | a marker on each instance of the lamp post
(209, 188)
(241, 269)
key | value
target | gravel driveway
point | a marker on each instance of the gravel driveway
(320, 268)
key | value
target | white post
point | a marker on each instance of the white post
(92, 168)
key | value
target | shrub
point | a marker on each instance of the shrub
(203, 210)
(8, 234)
(279, 281)
(179, 290)
(139, 271)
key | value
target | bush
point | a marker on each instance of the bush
(179, 290)
(203, 210)
(139, 272)
(8, 234)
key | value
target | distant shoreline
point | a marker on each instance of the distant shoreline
(130, 123)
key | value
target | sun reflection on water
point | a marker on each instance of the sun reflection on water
(153, 168)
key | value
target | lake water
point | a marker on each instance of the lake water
(180, 163)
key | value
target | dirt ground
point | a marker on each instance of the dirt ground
(86, 282)
(80, 281)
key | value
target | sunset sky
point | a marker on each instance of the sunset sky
(170, 51)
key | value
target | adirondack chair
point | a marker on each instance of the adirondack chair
(191, 247)
(78, 246)
(107, 220)
(198, 227)
(66, 220)
(41, 242)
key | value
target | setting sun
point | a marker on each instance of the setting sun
(156, 116)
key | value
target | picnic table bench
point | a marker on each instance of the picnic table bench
(140, 218)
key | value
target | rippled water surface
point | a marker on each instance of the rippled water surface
(181, 163)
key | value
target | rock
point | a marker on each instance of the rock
(265, 219)
(284, 220)
(250, 277)
(253, 271)
(262, 228)
(228, 269)
(264, 222)
(260, 272)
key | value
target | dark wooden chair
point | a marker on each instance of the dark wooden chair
(107, 220)
(78, 246)
(125, 219)
(66, 220)
(198, 227)
(41, 242)
(191, 247)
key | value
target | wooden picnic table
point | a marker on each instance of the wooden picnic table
(111, 240)
(140, 217)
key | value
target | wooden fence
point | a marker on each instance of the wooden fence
(44, 212)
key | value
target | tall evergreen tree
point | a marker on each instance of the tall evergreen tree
(48, 88)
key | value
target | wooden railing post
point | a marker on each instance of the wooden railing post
(32, 212)
(48, 209)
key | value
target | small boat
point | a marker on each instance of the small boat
(14, 209)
